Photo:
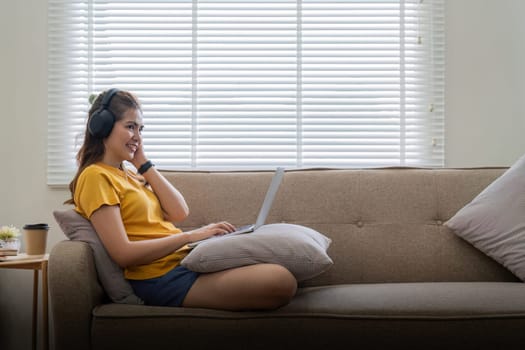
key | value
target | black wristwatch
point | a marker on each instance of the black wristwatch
(145, 167)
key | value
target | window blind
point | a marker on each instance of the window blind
(256, 84)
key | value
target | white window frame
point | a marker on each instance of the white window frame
(310, 83)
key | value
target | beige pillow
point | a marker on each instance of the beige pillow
(298, 248)
(110, 274)
(494, 221)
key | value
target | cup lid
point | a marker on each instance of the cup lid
(36, 227)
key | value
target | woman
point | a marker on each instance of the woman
(133, 213)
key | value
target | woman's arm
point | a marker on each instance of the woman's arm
(107, 221)
(172, 202)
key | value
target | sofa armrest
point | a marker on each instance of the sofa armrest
(74, 291)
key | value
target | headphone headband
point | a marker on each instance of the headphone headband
(108, 95)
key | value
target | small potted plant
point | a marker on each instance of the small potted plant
(9, 238)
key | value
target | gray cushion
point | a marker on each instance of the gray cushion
(300, 249)
(494, 221)
(111, 275)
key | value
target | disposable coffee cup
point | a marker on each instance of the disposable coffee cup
(35, 238)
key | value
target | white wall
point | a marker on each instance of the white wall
(25, 197)
(485, 82)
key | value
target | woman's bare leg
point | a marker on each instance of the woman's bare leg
(260, 286)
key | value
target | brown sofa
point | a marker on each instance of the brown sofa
(400, 278)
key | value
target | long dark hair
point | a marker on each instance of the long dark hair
(92, 150)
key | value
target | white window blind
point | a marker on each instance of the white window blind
(256, 84)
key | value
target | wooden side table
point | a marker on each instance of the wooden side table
(35, 263)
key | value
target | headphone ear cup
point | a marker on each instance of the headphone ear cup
(101, 123)
(102, 120)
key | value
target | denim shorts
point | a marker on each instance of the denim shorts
(167, 290)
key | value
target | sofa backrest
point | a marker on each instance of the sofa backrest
(386, 224)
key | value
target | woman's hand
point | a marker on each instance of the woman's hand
(215, 229)
(139, 157)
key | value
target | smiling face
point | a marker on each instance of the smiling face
(125, 138)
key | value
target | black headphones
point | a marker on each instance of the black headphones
(102, 120)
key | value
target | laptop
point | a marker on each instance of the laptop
(263, 212)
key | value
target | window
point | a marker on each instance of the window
(256, 84)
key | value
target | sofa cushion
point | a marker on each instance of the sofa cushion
(430, 316)
(111, 276)
(300, 249)
(494, 221)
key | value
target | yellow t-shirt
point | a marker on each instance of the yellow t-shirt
(100, 184)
